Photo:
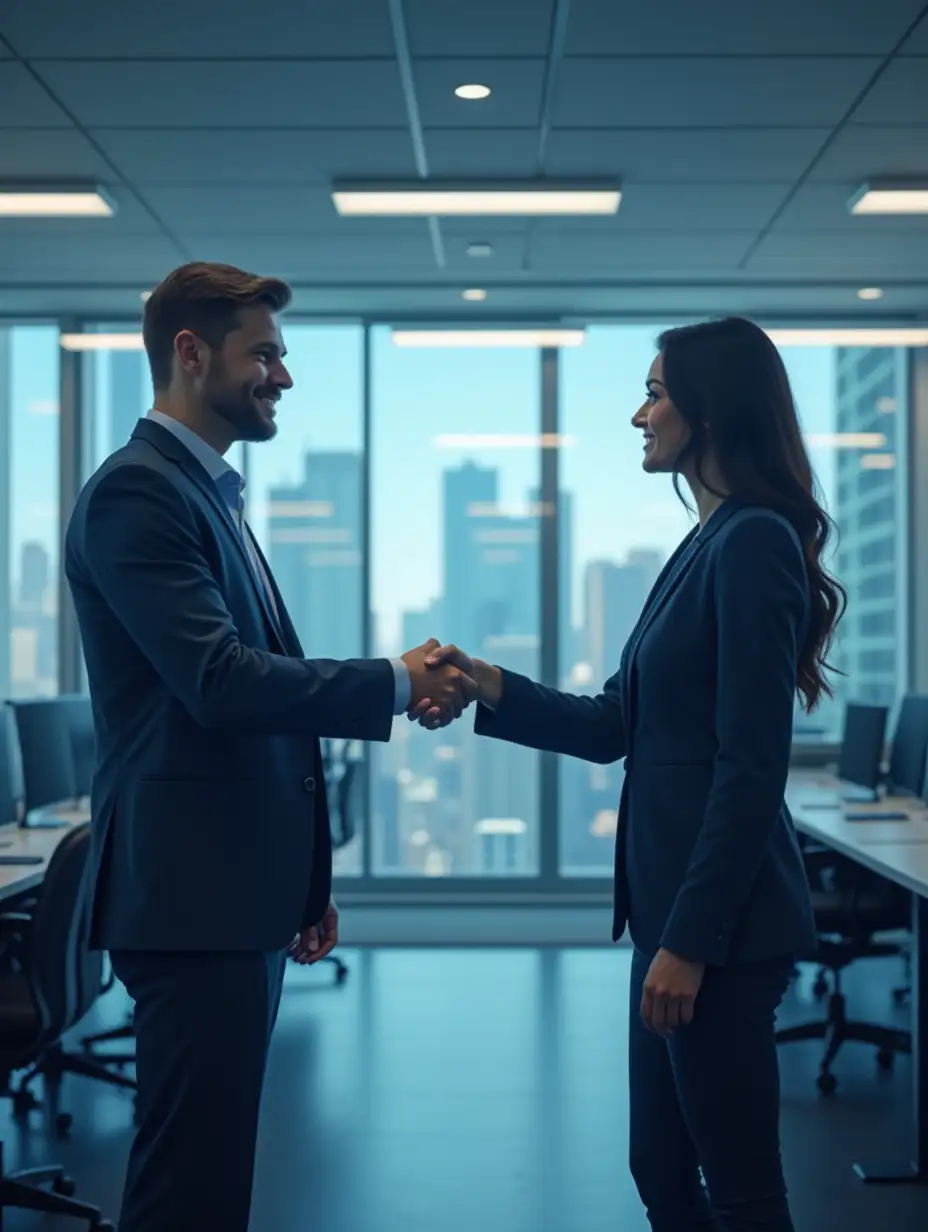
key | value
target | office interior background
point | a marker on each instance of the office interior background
(490, 495)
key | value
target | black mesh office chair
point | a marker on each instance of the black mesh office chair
(54, 982)
(853, 908)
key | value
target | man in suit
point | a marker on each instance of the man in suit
(211, 853)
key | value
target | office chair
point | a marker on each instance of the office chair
(55, 982)
(852, 907)
(340, 777)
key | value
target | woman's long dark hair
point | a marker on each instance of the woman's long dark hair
(728, 382)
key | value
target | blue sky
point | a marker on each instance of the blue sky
(419, 396)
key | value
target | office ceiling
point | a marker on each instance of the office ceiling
(738, 130)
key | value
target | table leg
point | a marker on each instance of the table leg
(917, 1171)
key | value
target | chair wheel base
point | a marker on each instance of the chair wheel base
(827, 1083)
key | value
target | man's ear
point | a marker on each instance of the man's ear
(191, 352)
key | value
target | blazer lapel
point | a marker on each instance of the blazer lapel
(172, 448)
(284, 624)
(674, 571)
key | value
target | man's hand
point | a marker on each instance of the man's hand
(487, 680)
(443, 689)
(670, 990)
(313, 943)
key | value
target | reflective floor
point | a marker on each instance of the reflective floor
(485, 1089)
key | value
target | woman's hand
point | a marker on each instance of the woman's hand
(670, 990)
(489, 681)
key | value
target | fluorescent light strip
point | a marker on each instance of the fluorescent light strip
(413, 200)
(850, 337)
(101, 342)
(54, 203)
(884, 198)
(488, 337)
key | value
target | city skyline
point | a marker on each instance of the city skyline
(454, 546)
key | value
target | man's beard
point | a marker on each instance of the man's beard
(238, 408)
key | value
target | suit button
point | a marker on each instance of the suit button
(309, 784)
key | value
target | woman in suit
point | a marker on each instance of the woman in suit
(709, 879)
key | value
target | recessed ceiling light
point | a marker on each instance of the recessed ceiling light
(891, 197)
(473, 92)
(54, 201)
(870, 293)
(480, 249)
(418, 198)
(474, 294)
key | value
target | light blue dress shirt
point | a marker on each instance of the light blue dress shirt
(231, 485)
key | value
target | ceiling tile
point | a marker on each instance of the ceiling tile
(860, 152)
(479, 27)
(217, 156)
(104, 28)
(684, 155)
(508, 254)
(23, 102)
(95, 259)
(732, 27)
(50, 153)
(496, 153)
(869, 259)
(515, 101)
(899, 97)
(313, 255)
(613, 92)
(169, 94)
(611, 254)
(239, 209)
(686, 209)
(823, 207)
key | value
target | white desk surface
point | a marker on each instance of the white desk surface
(16, 879)
(895, 849)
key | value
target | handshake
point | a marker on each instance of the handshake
(445, 681)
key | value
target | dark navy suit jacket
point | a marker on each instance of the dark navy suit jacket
(701, 708)
(210, 826)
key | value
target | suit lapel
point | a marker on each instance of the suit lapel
(673, 573)
(284, 624)
(168, 444)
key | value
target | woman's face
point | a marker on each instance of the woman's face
(665, 431)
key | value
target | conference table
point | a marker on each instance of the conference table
(896, 849)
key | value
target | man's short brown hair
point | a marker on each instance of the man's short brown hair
(204, 297)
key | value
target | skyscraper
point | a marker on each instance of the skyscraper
(614, 596)
(314, 547)
(869, 511)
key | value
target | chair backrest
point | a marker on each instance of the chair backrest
(862, 744)
(45, 751)
(910, 745)
(12, 804)
(340, 776)
(65, 975)
(78, 713)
